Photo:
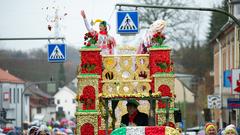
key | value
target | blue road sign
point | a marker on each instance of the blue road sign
(56, 52)
(127, 22)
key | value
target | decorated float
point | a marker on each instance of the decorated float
(105, 82)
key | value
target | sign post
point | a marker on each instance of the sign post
(56, 52)
(127, 22)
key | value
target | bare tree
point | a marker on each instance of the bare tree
(179, 22)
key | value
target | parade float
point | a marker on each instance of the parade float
(105, 82)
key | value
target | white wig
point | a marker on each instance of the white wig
(157, 26)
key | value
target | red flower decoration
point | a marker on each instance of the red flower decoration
(90, 38)
(88, 98)
(87, 129)
(158, 38)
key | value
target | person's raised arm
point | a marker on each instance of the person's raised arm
(86, 22)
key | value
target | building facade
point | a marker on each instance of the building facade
(226, 57)
(11, 89)
(65, 100)
(42, 107)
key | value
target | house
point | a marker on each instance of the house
(11, 89)
(226, 57)
(180, 89)
(65, 101)
(42, 107)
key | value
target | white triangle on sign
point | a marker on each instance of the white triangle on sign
(127, 23)
(56, 54)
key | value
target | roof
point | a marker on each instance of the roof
(34, 89)
(65, 89)
(226, 26)
(5, 76)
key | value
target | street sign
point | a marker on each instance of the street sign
(127, 22)
(227, 76)
(56, 52)
(235, 81)
(214, 101)
(233, 103)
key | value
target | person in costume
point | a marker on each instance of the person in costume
(105, 41)
(155, 29)
(230, 130)
(210, 129)
(134, 117)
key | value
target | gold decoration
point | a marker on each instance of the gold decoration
(162, 118)
(87, 117)
(171, 131)
(125, 80)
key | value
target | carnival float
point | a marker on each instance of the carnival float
(107, 80)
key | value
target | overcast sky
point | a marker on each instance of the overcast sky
(30, 18)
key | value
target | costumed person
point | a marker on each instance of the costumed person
(230, 130)
(43, 130)
(210, 129)
(155, 30)
(105, 41)
(134, 117)
(33, 130)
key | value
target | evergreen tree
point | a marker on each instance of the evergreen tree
(216, 23)
(61, 76)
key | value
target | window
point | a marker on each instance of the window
(39, 110)
(10, 95)
(58, 101)
(18, 95)
(14, 95)
(73, 101)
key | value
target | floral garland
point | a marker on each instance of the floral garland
(90, 38)
(137, 95)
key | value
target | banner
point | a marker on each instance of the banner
(235, 81)
(233, 103)
(227, 76)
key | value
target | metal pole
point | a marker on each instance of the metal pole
(167, 112)
(28, 38)
(184, 108)
(182, 8)
(106, 119)
(220, 82)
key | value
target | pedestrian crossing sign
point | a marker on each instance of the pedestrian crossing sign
(127, 22)
(56, 52)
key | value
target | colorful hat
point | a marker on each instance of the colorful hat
(209, 126)
(230, 128)
(132, 102)
(103, 23)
